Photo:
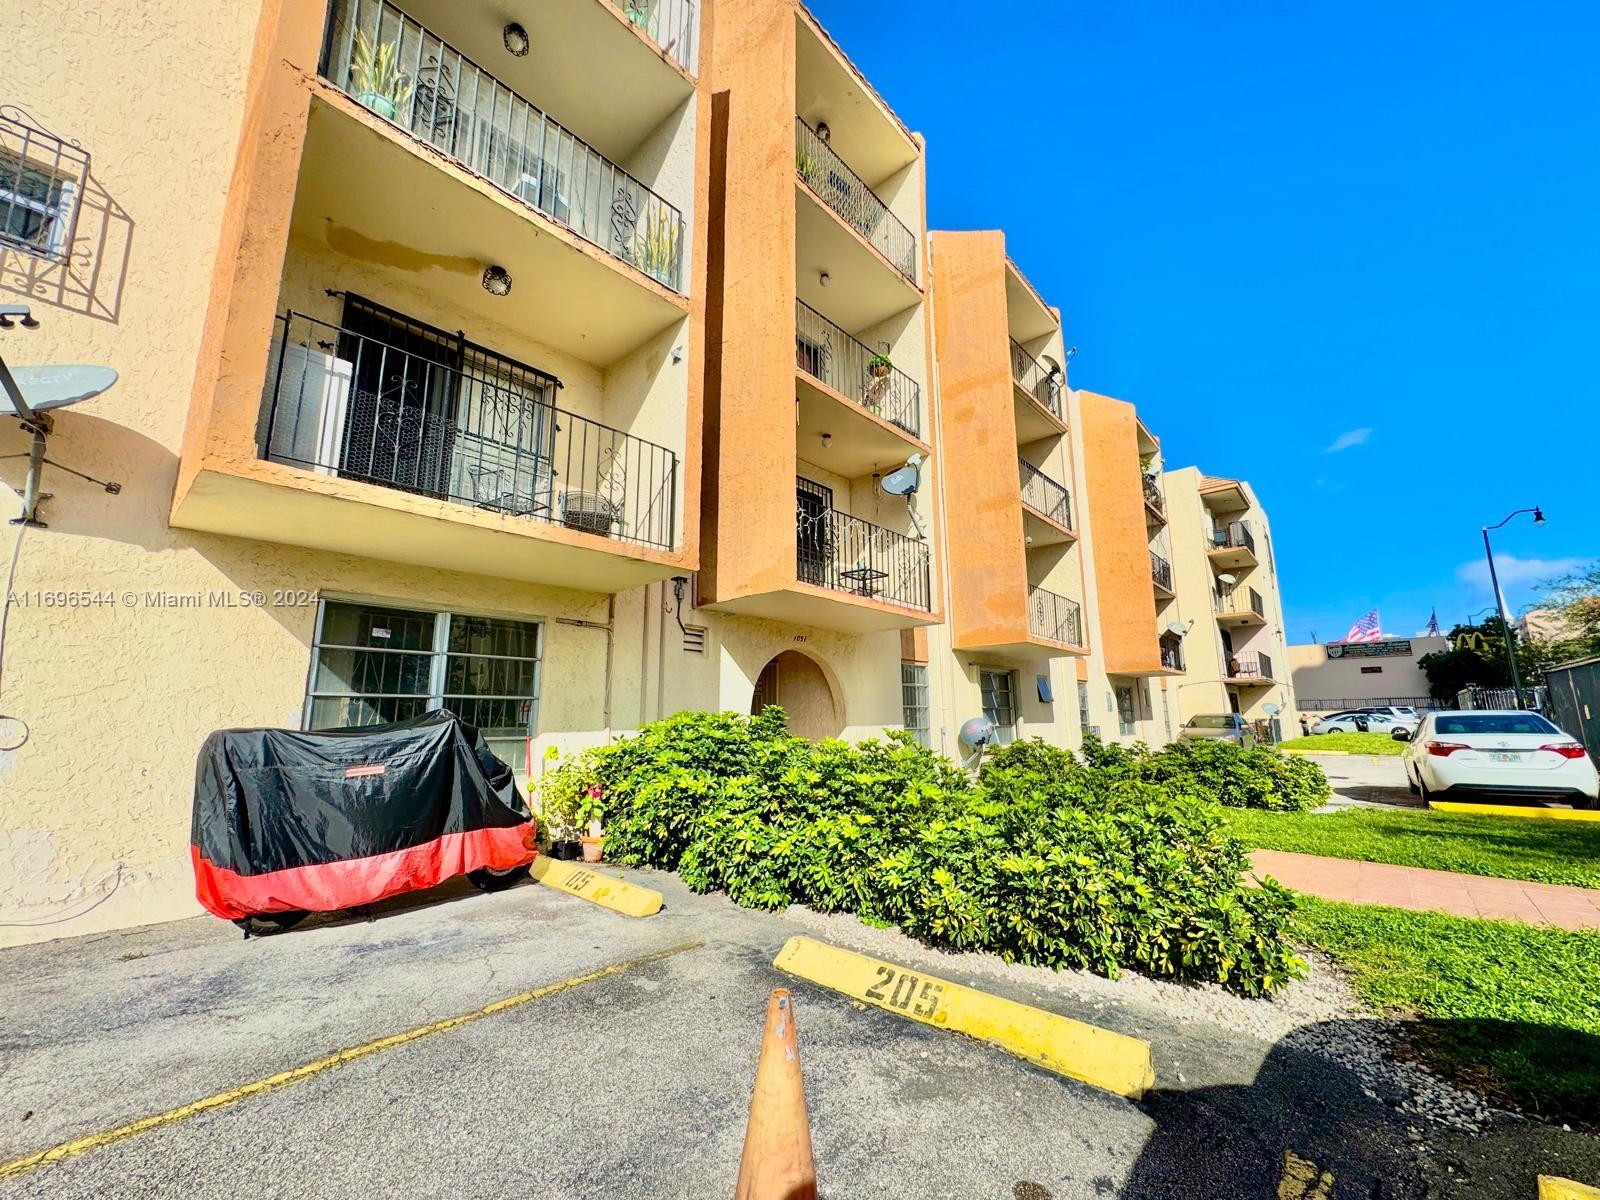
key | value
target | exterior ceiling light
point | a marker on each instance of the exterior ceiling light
(516, 38)
(497, 281)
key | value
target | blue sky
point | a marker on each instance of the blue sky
(1349, 251)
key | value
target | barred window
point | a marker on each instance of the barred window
(914, 701)
(998, 694)
(41, 182)
(372, 665)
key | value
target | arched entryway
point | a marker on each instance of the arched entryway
(801, 686)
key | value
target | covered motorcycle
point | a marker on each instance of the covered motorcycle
(288, 822)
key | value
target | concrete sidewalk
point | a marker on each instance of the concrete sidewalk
(1432, 891)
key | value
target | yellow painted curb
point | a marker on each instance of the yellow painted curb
(626, 898)
(1088, 1053)
(1551, 1188)
(1508, 810)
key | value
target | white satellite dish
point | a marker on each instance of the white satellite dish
(1227, 580)
(1272, 710)
(45, 388)
(1177, 630)
(904, 481)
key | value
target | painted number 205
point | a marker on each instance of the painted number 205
(899, 989)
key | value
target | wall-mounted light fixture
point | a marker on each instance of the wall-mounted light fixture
(516, 39)
(824, 279)
(827, 440)
(497, 281)
(823, 132)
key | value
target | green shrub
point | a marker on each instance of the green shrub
(1044, 860)
(1260, 777)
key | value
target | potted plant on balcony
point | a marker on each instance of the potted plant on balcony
(879, 366)
(376, 79)
(805, 164)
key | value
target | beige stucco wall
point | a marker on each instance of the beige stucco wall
(1320, 677)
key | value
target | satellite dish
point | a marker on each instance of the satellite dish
(45, 388)
(978, 732)
(1229, 580)
(1272, 710)
(1177, 630)
(905, 480)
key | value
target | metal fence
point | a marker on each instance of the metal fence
(1055, 617)
(1043, 384)
(668, 23)
(1340, 703)
(1043, 494)
(842, 190)
(831, 356)
(1475, 697)
(1574, 701)
(838, 551)
(458, 423)
(1160, 571)
(403, 72)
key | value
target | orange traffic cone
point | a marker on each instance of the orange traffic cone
(777, 1163)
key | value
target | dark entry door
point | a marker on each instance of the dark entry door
(813, 532)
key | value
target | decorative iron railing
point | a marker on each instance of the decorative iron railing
(1152, 493)
(1054, 617)
(1040, 382)
(1240, 600)
(400, 70)
(1043, 494)
(458, 424)
(668, 23)
(1251, 664)
(831, 356)
(1172, 654)
(838, 551)
(1160, 570)
(844, 191)
(1235, 535)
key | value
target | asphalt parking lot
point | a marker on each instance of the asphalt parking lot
(637, 1082)
(1366, 781)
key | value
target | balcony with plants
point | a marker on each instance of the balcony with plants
(426, 83)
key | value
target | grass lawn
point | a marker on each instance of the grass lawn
(1510, 1009)
(1353, 743)
(1506, 847)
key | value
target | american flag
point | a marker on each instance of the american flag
(1365, 630)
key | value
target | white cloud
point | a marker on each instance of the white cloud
(1515, 572)
(1354, 437)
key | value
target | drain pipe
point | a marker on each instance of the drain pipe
(609, 628)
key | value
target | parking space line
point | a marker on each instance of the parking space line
(1099, 1057)
(94, 1141)
(627, 898)
(1511, 810)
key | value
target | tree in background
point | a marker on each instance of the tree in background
(1575, 602)
(1477, 655)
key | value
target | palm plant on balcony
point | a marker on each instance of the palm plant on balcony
(659, 244)
(376, 79)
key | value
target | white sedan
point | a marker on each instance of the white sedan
(1455, 755)
(1346, 722)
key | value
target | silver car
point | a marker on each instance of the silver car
(1224, 727)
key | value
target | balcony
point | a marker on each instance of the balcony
(842, 553)
(1054, 618)
(850, 199)
(1171, 654)
(1239, 607)
(670, 24)
(1161, 574)
(399, 70)
(853, 371)
(1249, 668)
(1047, 512)
(1232, 546)
(1040, 413)
(1155, 502)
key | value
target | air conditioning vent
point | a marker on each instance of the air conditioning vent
(694, 639)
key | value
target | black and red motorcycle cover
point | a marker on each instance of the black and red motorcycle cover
(324, 821)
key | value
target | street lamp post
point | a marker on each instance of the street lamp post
(1500, 600)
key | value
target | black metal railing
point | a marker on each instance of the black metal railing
(1152, 493)
(838, 551)
(397, 68)
(667, 23)
(831, 356)
(1235, 535)
(458, 424)
(1160, 570)
(1043, 384)
(1043, 494)
(1251, 664)
(42, 182)
(844, 191)
(1171, 654)
(1054, 617)
(1240, 600)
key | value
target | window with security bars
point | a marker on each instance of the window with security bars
(373, 664)
(914, 701)
(997, 691)
(41, 183)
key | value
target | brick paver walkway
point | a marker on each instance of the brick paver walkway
(1435, 891)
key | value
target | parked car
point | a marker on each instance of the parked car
(1404, 711)
(1219, 727)
(1505, 752)
(1362, 721)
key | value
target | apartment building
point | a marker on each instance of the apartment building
(566, 366)
(1236, 653)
